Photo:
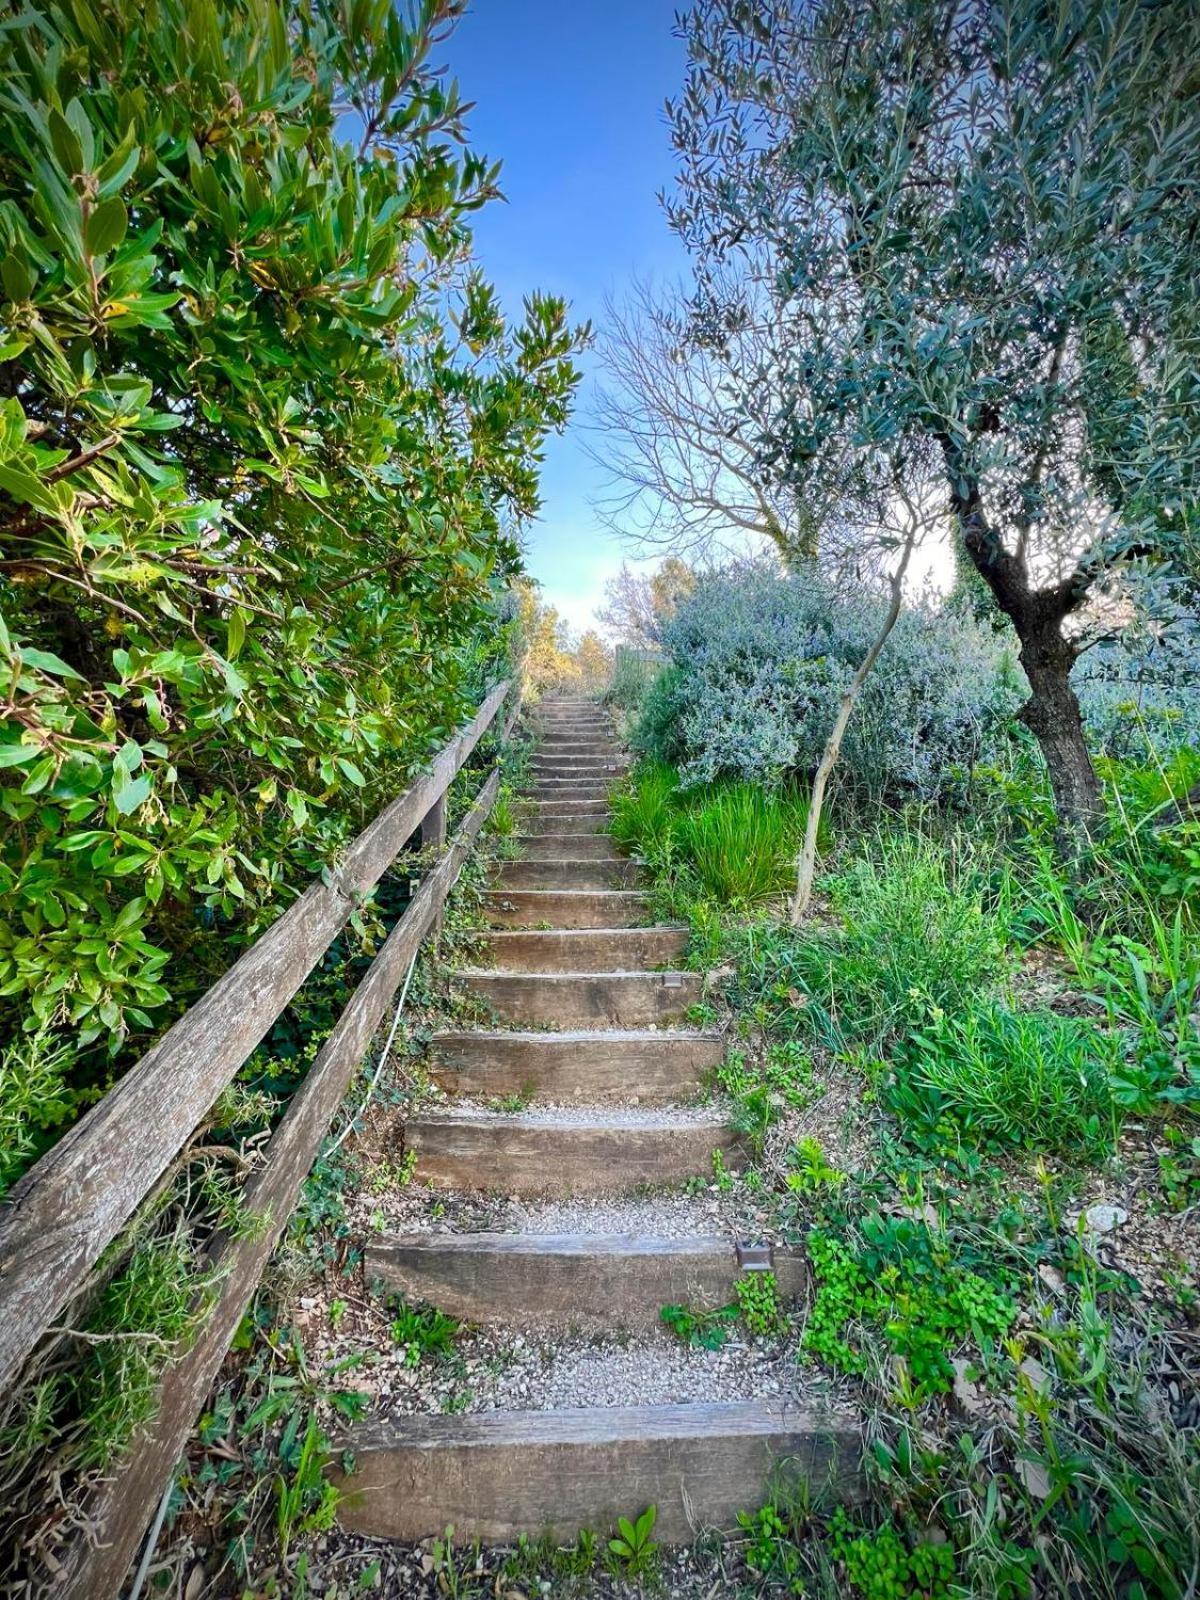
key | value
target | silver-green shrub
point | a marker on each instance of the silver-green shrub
(761, 658)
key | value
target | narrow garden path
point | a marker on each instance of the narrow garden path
(575, 1107)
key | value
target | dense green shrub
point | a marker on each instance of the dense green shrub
(262, 431)
(914, 932)
(761, 659)
(998, 1078)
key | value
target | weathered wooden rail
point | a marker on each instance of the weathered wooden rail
(70, 1206)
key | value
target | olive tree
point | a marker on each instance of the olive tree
(978, 224)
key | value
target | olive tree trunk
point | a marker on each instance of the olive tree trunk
(1052, 711)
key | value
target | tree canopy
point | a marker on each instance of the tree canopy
(977, 226)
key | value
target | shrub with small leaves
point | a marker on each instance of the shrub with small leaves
(907, 1292)
(760, 660)
(883, 1564)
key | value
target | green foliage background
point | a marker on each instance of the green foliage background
(265, 438)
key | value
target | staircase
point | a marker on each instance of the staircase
(589, 1034)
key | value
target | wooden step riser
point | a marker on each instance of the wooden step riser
(567, 846)
(566, 805)
(580, 731)
(580, 752)
(580, 749)
(567, 875)
(574, 822)
(584, 950)
(587, 1066)
(564, 794)
(498, 1476)
(609, 773)
(533, 908)
(581, 1000)
(567, 1280)
(566, 761)
(497, 1154)
(573, 727)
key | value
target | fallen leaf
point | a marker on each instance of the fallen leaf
(1034, 1477)
(966, 1392)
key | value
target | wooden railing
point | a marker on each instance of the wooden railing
(75, 1201)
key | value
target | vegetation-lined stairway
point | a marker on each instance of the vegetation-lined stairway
(587, 1040)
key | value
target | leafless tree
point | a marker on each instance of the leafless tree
(677, 441)
(890, 525)
(637, 604)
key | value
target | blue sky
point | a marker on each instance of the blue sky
(568, 95)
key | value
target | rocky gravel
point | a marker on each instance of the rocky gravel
(608, 1115)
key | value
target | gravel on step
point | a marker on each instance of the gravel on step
(488, 1371)
(665, 1213)
(668, 1214)
(552, 1114)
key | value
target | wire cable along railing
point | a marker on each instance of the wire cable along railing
(66, 1211)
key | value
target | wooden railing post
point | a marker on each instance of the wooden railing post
(433, 839)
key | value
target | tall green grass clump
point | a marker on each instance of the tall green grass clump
(741, 841)
(995, 1078)
(735, 843)
(917, 934)
(914, 931)
(643, 811)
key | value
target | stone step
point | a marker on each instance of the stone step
(570, 1152)
(567, 845)
(591, 1280)
(498, 1475)
(585, 949)
(584, 999)
(566, 873)
(566, 908)
(655, 1064)
(580, 821)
